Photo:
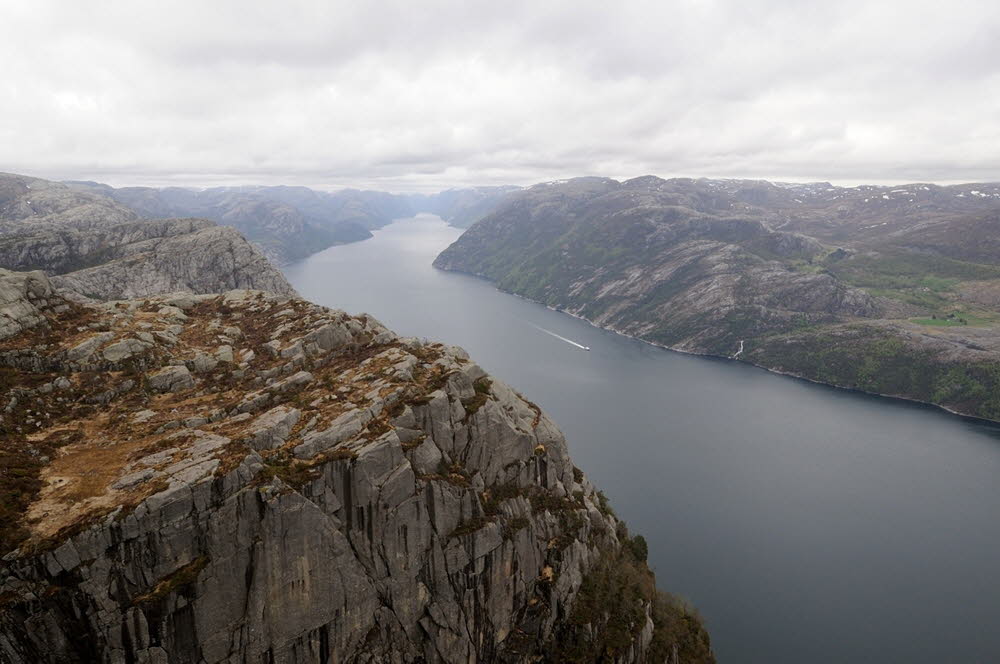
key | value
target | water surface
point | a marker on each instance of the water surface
(807, 524)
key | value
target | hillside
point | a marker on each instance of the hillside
(251, 477)
(291, 223)
(287, 223)
(100, 249)
(892, 290)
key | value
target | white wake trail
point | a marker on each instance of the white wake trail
(558, 336)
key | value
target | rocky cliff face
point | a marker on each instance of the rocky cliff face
(249, 477)
(286, 223)
(99, 249)
(903, 303)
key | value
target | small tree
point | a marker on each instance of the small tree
(639, 548)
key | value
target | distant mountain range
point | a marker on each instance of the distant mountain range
(290, 223)
(892, 290)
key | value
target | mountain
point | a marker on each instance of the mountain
(290, 223)
(251, 477)
(100, 249)
(462, 207)
(287, 223)
(891, 290)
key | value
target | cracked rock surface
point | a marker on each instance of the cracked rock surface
(249, 477)
(99, 249)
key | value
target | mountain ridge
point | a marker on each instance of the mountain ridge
(833, 284)
(289, 223)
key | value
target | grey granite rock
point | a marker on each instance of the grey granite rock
(171, 379)
(24, 298)
(369, 513)
(99, 249)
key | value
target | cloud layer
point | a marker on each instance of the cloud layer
(426, 95)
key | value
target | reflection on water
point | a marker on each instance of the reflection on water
(808, 524)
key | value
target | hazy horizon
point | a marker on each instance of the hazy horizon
(431, 189)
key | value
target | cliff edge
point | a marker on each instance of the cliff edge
(99, 249)
(252, 477)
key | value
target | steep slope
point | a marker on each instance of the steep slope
(45, 205)
(881, 295)
(248, 477)
(287, 223)
(100, 249)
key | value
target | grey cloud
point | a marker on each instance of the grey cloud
(405, 95)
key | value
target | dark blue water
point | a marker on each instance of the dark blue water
(807, 524)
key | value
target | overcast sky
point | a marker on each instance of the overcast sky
(426, 95)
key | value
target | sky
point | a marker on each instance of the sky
(422, 96)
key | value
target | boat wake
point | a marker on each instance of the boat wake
(560, 337)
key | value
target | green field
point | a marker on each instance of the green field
(960, 320)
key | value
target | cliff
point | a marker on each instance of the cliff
(102, 250)
(887, 290)
(251, 477)
(286, 223)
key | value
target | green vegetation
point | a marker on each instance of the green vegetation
(809, 267)
(19, 484)
(473, 404)
(611, 610)
(21, 462)
(924, 280)
(638, 548)
(180, 579)
(470, 526)
(297, 473)
(957, 319)
(516, 524)
(904, 269)
(603, 505)
(637, 268)
(288, 470)
(871, 359)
